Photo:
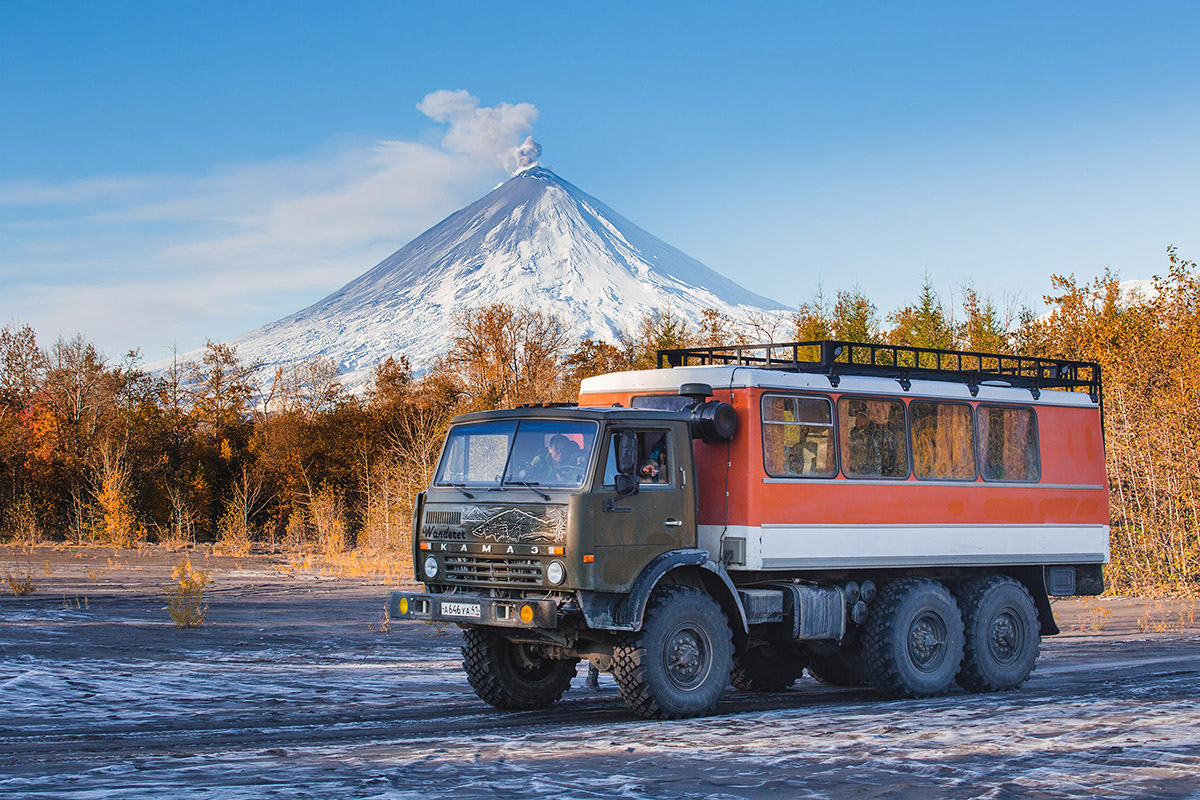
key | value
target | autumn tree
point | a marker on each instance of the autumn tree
(984, 328)
(504, 355)
(590, 358)
(813, 320)
(923, 323)
(222, 388)
(855, 317)
(658, 330)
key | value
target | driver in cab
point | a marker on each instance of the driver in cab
(559, 461)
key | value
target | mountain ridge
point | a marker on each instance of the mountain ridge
(536, 240)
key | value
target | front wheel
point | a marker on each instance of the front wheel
(510, 675)
(679, 663)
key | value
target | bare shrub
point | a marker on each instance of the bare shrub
(22, 582)
(298, 533)
(393, 482)
(235, 533)
(117, 526)
(181, 533)
(327, 510)
(81, 518)
(22, 523)
(185, 597)
(386, 519)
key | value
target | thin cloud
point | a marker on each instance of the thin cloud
(142, 260)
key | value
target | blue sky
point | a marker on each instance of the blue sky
(171, 172)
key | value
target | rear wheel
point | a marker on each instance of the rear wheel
(913, 640)
(768, 668)
(511, 675)
(679, 663)
(1002, 634)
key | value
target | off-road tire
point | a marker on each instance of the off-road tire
(913, 639)
(678, 664)
(1003, 635)
(843, 668)
(509, 675)
(768, 668)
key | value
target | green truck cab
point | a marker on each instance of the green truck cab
(545, 533)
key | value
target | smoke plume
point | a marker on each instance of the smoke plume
(498, 133)
(527, 153)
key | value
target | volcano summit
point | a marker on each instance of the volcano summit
(535, 241)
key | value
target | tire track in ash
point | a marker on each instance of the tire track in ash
(428, 715)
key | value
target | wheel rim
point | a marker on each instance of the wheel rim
(1005, 636)
(687, 657)
(927, 641)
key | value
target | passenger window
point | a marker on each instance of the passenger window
(654, 463)
(1008, 444)
(943, 441)
(873, 440)
(798, 437)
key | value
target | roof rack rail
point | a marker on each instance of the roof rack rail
(904, 363)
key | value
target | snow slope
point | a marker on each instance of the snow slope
(537, 241)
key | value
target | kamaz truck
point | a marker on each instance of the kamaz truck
(876, 515)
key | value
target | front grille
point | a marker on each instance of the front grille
(502, 571)
(443, 517)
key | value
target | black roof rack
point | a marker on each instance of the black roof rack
(836, 358)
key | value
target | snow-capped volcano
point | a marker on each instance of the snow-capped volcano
(534, 241)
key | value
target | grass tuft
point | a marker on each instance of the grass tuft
(185, 597)
(21, 584)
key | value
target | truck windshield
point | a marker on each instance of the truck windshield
(530, 452)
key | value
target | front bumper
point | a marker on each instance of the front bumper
(474, 610)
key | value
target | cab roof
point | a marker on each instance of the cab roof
(572, 412)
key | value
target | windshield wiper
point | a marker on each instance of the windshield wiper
(460, 486)
(530, 487)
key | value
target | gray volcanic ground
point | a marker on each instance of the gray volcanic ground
(291, 691)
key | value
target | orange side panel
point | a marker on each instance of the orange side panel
(1073, 487)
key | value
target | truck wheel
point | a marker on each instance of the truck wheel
(913, 640)
(1002, 634)
(843, 668)
(511, 675)
(768, 668)
(679, 663)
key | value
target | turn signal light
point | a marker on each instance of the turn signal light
(527, 614)
(403, 605)
(557, 551)
(424, 545)
(588, 559)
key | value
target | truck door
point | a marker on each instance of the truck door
(660, 516)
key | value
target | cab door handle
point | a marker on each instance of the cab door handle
(673, 523)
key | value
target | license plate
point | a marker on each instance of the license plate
(460, 610)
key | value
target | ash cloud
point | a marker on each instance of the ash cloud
(527, 153)
(500, 133)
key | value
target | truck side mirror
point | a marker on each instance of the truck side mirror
(626, 479)
(626, 442)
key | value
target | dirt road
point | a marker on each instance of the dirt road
(289, 692)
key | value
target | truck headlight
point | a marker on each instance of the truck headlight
(556, 572)
(431, 567)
